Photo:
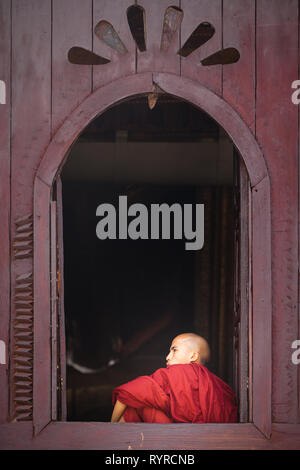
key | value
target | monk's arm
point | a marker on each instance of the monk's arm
(118, 411)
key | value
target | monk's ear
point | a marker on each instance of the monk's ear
(195, 356)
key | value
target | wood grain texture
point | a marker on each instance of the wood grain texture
(299, 214)
(42, 314)
(30, 123)
(277, 133)
(62, 359)
(22, 348)
(121, 64)
(31, 95)
(196, 12)
(5, 47)
(239, 78)
(262, 301)
(71, 26)
(94, 436)
(154, 59)
(254, 160)
(245, 276)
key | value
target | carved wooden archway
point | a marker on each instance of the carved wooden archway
(52, 161)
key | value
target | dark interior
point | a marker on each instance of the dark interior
(125, 300)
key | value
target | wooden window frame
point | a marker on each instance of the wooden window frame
(166, 436)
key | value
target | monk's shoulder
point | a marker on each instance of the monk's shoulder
(189, 371)
(160, 376)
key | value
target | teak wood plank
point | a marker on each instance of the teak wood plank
(42, 308)
(71, 83)
(196, 12)
(299, 220)
(5, 46)
(277, 133)
(98, 102)
(90, 436)
(62, 359)
(239, 77)
(53, 304)
(30, 121)
(31, 96)
(120, 64)
(261, 315)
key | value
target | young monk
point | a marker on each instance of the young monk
(183, 392)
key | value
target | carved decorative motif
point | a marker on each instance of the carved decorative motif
(22, 360)
(22, 327)
(22, 244)
(136, 17)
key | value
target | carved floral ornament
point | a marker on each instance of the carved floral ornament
(136, 17)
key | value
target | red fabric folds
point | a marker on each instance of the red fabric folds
(182, 393)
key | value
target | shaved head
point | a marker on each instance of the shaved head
(188, 348)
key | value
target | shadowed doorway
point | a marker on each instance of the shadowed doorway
(126, 299)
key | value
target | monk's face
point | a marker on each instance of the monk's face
(180, 352)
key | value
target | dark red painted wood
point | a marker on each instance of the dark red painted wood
(239, 78)
(30, 120)
(42, 311)
(196, 12)
(121, 64)
(250, 313)
(5, 202)
(52, 160)
(61, 360)
(154, 59)
(241, 288)
(298, 215)
(277, 133)
(261, 303)
(217, 108)
(94, 436)
(83, 114)
(72, 26)
(53, 303)
(245, 383)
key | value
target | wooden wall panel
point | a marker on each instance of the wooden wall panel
(195, 12)
(97, 436)
(277, 133)
(71, 83)
(239, 78)
(153, 59)
(37, 63)
(5, 49)
(121, 64)
(42, 317)
(298, 336)
(31, 106)
(262, 318)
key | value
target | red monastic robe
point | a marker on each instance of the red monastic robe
(181, 393)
